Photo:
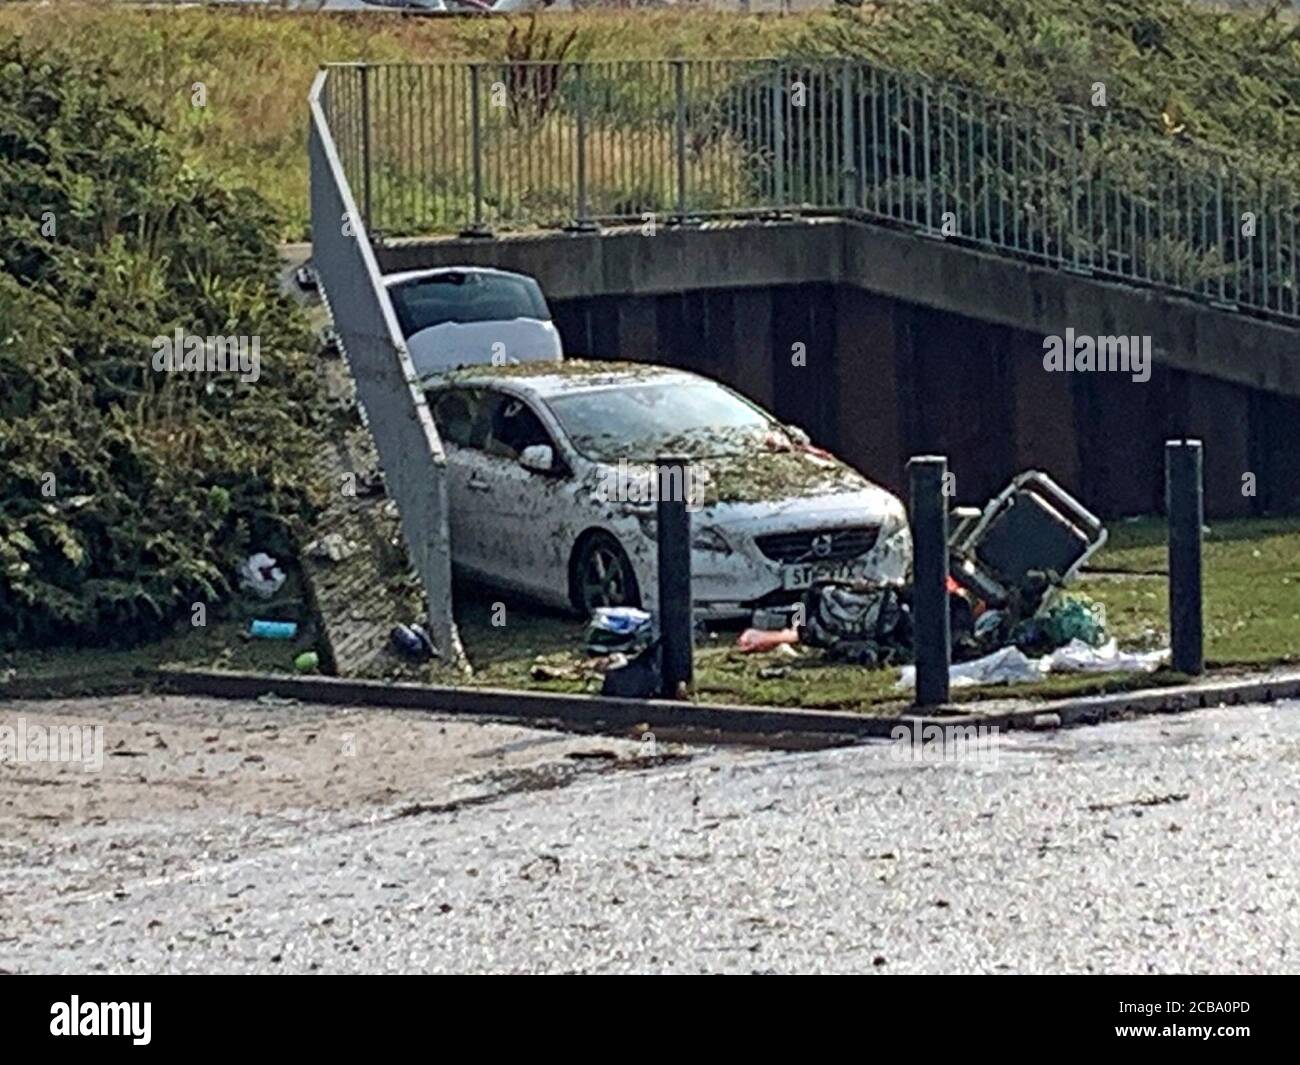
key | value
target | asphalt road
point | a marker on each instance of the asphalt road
(1164, 844)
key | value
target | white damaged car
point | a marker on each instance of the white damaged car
(552, 494)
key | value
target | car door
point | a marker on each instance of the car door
(457, 414)
(515, 517)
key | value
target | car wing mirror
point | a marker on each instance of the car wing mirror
(539, 458)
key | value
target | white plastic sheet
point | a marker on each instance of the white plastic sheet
(1010, 665)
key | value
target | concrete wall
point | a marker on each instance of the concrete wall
(912, 345)
(397, 416)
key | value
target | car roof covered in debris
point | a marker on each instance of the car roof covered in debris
(568, 375)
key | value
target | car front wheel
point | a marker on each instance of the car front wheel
(603, 575)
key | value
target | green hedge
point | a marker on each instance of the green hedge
(127, 495)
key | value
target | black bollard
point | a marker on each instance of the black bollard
(930, 634)
(1184, 503)
(674, 534)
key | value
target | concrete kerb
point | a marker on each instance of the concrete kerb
(727, 722)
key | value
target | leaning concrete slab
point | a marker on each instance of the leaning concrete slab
(410, 452)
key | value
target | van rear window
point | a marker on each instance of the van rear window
(466, 297)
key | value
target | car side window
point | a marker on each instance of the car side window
(512, 425)
(455, 415)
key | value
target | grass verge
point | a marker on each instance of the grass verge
(1252, 621)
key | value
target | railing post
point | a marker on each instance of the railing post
(848, 172)
(778, 140)
(1185, 506)
(925, 147)
(676, 623)
(930, 626)
(582, 220)
(369, 219)
(679, 79)
(476, 226)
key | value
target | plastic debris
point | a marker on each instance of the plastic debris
(272, 630)
(638, 679)
(1010, 665)
(617, 628)
(260, 575)
(1080, 657)
(413, 641)
(1072, 617)
(307, 662)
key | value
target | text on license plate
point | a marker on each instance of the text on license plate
(806, 574)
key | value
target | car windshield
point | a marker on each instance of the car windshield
(466, 297)
(698, 419)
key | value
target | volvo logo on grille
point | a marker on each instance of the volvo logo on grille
(822, 544)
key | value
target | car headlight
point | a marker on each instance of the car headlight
(710, 538)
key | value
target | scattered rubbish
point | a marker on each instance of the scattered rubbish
(1032, 527)
(542, 671)
(413, 642)
(638, 679)
(260, 575)
(331, 546)
(988, 623)
(329, 341)
(756, 641)
(1010, 665)
(305, 278)
(866, 623)
(607, 662)
(1079, 657)
(1046, 721)
(307, 662)
(1072, 617)
(272, 630)
(617, 628)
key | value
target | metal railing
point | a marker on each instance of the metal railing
(480, 147)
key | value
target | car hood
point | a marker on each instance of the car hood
(445, 346)
(762, 489)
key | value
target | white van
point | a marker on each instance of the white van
(472, 315)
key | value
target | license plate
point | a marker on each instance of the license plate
(806, 574)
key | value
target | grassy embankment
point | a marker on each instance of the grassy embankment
(1182, 72)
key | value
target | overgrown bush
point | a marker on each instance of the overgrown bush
(128, 494)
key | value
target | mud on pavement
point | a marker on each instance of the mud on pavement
(185, 785)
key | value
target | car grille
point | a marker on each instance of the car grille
(818, 545)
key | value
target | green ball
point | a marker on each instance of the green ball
(307, 662)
